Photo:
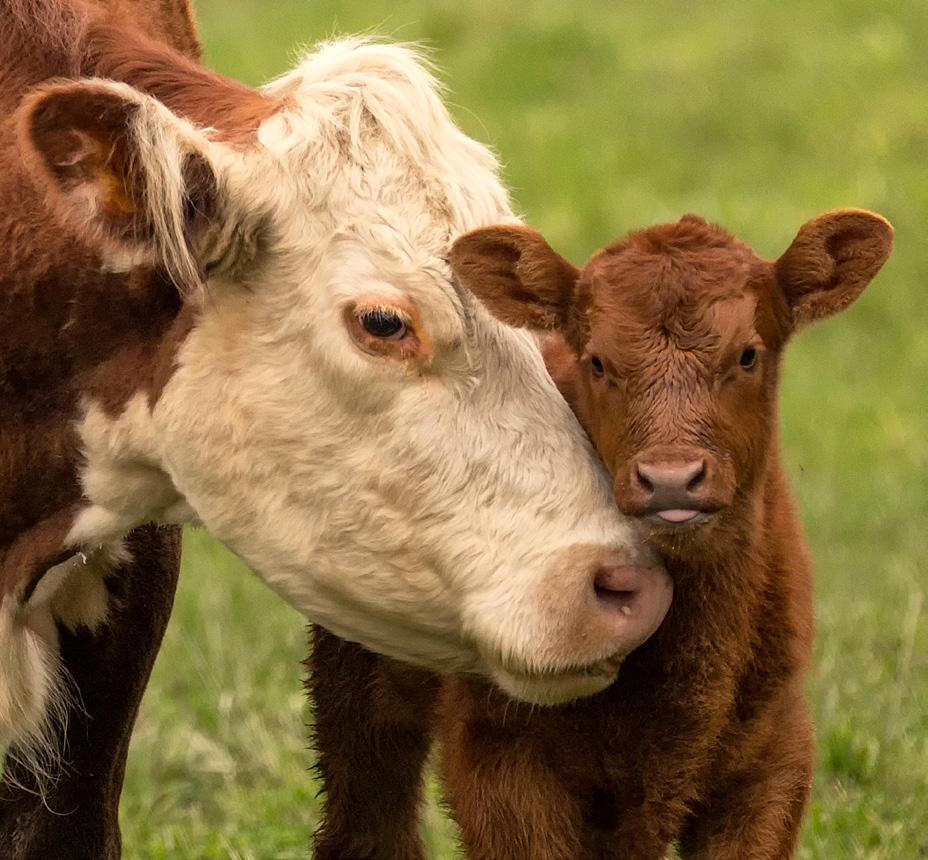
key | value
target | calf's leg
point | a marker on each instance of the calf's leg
(372, 736)
(756, 812)
(77, 818)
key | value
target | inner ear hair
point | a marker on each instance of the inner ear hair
(831, 261)
(128, 176)
(79, 135)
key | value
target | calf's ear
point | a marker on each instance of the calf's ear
(517, 275)
(128, 176)
(831, 261)
(562, 364)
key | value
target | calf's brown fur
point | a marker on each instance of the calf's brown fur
(668, 346)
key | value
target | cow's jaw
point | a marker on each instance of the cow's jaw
(444, 516)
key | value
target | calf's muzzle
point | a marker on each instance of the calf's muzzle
(673, 487)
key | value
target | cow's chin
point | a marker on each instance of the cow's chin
(560, 688)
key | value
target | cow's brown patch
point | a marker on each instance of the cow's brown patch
(68, 331)
(46, 39)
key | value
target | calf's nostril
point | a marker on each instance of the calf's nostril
(671, 477)
(643, 481)
(697, 478)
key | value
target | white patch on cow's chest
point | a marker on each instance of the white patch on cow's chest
(121, 481)
(35, 690)
(74, 593)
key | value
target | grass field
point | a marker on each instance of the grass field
(611, 115)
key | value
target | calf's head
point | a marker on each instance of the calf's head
(670, 347)
(339, 411)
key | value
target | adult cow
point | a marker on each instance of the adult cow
(141, 593)
(235, 307)
(669, 347)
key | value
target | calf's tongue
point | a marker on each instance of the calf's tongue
(676, 515)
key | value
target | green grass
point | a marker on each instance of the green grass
(608, 116)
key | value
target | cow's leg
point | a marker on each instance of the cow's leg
(508, 800)
(372, 736)
(756, 812)
(77, 816)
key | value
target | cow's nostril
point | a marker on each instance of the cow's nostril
(617, 587)
(618, 601)
(698, 478)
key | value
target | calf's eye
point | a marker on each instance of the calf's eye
(383, 324)
(748, 358)
(597, 366)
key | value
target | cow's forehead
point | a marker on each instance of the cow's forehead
(403, 213)
(388, 164)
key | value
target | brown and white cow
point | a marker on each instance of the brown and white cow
(107, 667)
(235, 307)
(669, 349)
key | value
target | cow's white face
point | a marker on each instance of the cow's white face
(386, 455)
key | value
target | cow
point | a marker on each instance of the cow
(668, 345)
(140, 594)
(235, 307)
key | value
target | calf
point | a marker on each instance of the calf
(234, 307)
(668, 346)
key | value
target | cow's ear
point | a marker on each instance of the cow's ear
(831, 261)
(126, 174)
(517, 275)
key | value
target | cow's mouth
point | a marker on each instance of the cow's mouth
(581, 641)
(562, 686)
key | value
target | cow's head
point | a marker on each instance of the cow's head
(670, 348)
(342, 413)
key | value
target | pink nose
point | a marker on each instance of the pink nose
(670, 486)
(673, 489)
(678, 480)
(635, 597)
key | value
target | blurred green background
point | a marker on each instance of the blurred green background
(608, 116)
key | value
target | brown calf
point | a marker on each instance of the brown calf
(669, 348)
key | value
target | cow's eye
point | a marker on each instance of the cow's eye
(748, 358)
(384, 324)
(596, 365)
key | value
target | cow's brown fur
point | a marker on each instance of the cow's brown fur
(705, 739)
(169, 21)
(68, 331)
(378, 725)
(76, 39)
(75, 817)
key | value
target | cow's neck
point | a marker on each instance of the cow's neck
(49, 39)
(78, 353)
